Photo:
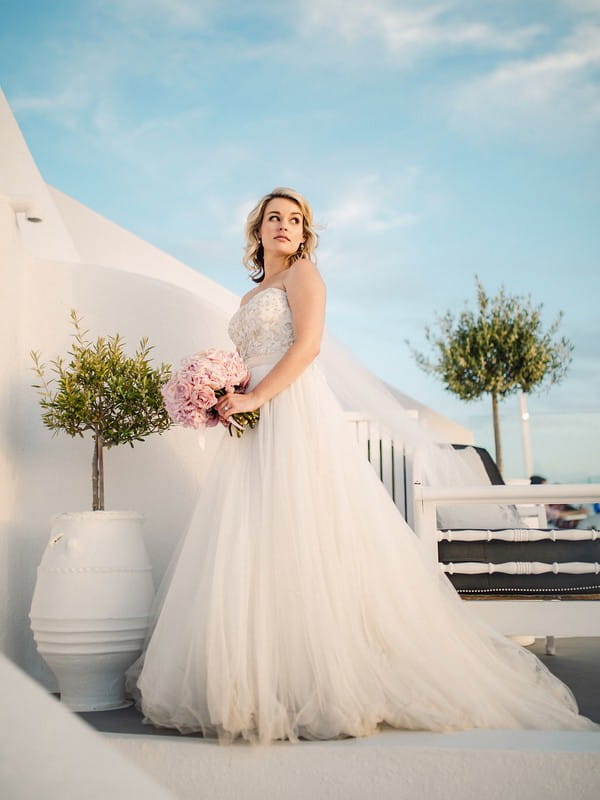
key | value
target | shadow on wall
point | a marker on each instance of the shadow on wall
(159, 477)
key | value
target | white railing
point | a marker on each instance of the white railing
(387, 458)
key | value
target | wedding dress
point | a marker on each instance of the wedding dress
(300, 603)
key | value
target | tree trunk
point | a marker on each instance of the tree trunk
(98, 474)
(95, 475)
(497, 440)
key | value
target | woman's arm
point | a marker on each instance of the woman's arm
(306, 295)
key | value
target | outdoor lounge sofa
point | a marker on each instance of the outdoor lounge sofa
(525, 581)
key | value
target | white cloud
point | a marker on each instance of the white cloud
(553, 94)
(371, 205)
(406, 30)
(549, 71)
(366, 212)
(67, 99)
(77, 77)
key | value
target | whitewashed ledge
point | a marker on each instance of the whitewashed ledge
(495, 765)
(47, 753)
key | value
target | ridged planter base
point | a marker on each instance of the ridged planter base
(91, 605)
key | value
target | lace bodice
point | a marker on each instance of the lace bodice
(263, 324)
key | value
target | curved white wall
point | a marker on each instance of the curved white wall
(47, 474)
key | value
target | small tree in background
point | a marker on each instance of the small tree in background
(104, 391)
(497, 350)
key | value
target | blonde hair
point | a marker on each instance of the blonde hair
(253, 252)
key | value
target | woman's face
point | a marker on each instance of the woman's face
(282, 228)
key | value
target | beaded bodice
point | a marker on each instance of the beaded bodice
(263, 324)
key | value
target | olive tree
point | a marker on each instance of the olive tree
(102, 390)
(499, 349)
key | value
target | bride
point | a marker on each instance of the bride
(299, 604)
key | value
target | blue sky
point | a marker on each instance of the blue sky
(435, 141)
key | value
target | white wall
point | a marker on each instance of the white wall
(44, 475)
(20, 178)
(101, 241)
(11, 301)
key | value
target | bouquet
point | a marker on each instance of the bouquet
(193, 390)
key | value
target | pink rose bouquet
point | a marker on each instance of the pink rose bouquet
(192, 391)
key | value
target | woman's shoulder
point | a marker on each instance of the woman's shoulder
(303, 271)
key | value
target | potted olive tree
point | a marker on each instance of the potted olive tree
(94, 588)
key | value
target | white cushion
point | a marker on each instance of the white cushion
(481, 517)
(477, 515)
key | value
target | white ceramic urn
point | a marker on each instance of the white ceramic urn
(91, 604)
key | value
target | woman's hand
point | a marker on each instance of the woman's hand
(235, 403)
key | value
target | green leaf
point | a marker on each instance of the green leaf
(104, 390)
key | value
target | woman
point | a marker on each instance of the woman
(299, 604)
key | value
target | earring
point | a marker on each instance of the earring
(301, 247)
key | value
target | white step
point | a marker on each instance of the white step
(403, 765)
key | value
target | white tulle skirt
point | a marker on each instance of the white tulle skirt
(300, 604)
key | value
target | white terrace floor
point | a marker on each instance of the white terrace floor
(525, 765)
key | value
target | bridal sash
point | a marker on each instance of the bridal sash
(264, 358)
